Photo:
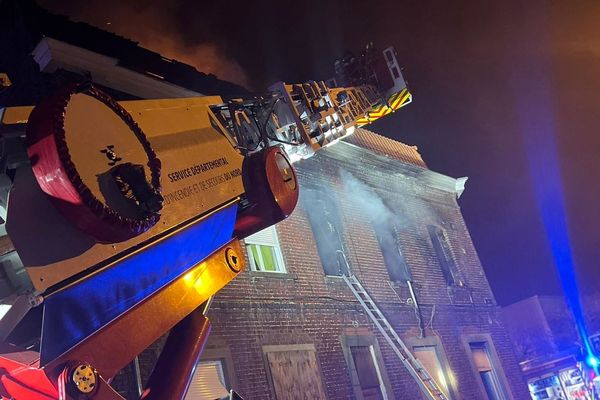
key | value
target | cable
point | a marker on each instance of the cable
(430, 324)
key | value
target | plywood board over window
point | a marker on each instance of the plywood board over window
(295, 372)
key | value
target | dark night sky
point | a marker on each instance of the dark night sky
(490, 80)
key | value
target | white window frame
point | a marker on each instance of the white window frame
(255, 240)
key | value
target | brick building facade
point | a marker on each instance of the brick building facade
(300, 309)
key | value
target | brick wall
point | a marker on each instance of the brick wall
(303, 306)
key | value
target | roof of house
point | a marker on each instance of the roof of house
(40, 23)
(386, 147)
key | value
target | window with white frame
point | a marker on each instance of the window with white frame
(264, 252)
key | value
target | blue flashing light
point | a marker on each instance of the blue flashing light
(536, 114)
(593, 362)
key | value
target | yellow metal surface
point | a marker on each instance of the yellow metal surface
(90, 127)
(393, 103)
(200, 171)
(84, 378)
(16, 115)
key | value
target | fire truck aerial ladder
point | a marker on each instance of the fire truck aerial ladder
(122, 219)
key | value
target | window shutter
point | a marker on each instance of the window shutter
(267, 236)
(365, 367)
(208, 382)
(481, 359)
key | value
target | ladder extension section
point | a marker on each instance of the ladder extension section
(426, 383)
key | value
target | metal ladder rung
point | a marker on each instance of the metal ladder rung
(426, 383)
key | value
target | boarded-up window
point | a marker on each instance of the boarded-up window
(442, 249)
(480, 358)
(368, 377)
(326, 224)
(296, 375)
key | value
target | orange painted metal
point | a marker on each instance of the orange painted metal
(174, 370)
(272, 189)
(113, 347)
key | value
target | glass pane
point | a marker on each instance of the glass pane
(443, 253)
(490, 385)
(268, 258)
(367, 372)
(481, 359)
(365, 368)
(253, 256)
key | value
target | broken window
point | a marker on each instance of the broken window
(384, 222)
(442, 249)
(325, 222)
(387, 237)
(264, 252)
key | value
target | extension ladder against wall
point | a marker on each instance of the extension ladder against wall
(426, 383)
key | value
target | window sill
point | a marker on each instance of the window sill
(266, 274)
(401, 284)
(334, 279)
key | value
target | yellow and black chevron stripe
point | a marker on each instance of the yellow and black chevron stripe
(379, 110)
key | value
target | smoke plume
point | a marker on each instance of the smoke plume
(157, 26)
(370, 203)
